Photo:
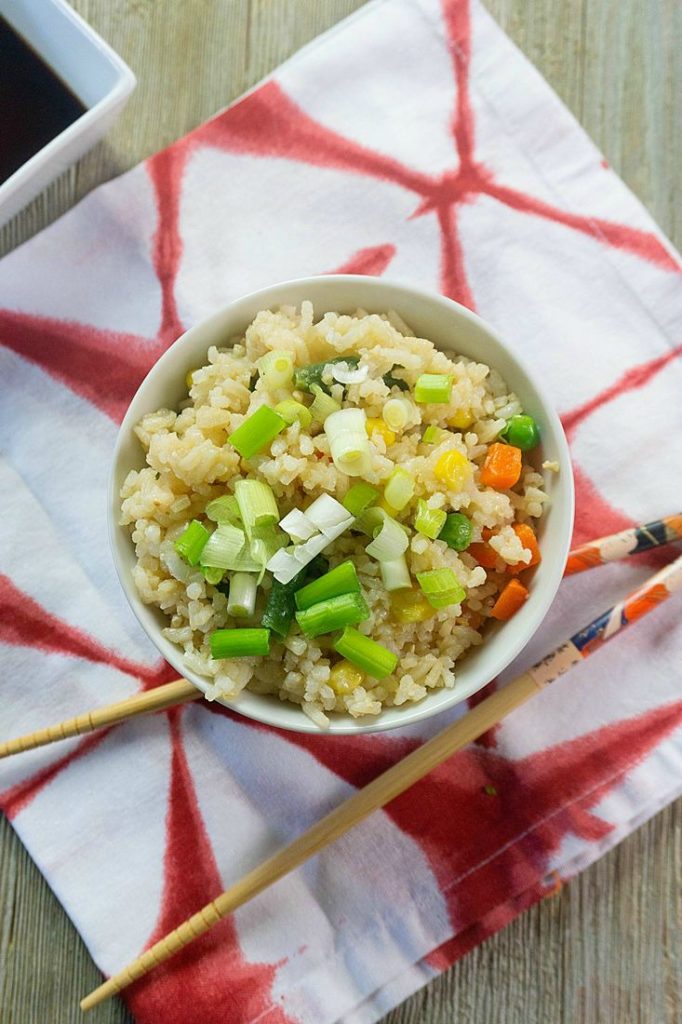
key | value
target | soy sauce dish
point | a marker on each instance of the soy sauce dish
(340, 504)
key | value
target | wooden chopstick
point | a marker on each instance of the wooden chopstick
(178, 692)
(401, 776)
(587, 556)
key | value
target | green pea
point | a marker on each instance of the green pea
(522, 432)
(457, 531)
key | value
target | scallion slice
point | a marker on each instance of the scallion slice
(306, 378)
(432, 388)
(441, 587)
(341, 580)
(429, 521)
(281, 605)
(212, 574)
(290, 411)
(399, 488)
(359, 498)
(225, 548)
(276, 368)
(395, 574)
(434, 434)
(323, 404)
(348, 442)
(327, 514)
(192, 541)
(257, 431)
(242, 598)
(224, 510)
(373, 658)
(396, 413)
(239, 643)
(348, 373)
(390, 541)
(257, 505)
(298, 526)
(335, 613)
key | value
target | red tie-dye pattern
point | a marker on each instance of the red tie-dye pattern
(371, 262)
(211, 976)
(268, 123)
(23, 622)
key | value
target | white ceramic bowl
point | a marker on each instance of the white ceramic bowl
(91, 69)
(452, 328)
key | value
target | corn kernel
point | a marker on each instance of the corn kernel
(189, 379)
(344, 678)
(453, 469)
(410, 606)
(461, 419)
(377, 426)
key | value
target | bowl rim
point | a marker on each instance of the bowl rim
(266, 708)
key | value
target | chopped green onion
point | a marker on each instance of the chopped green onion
(457, 531)
(298, 526)
(242, 600)
(396, 413)
(192, 541)
(390, 541)
(281, 605)
(266, 541)
(285, 564)
(345, 372)
(348, 441)
(374, 659)
(257, 431)
(359, 498)
(239, 643)
(227, 549)
(212, 574)
(341, 580)
(276, 368)
(224, 510)
(432, 388)
(323, 404)
(399, 489)
(335, 613)
(395, 574)
(434, 434)
(327, 514)
(257, 505)
(391, 381)
(290, 411)
(429, 521)
(441, 587)
(308, 377)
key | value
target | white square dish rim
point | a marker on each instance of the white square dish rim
(93, 122)
(502, 643)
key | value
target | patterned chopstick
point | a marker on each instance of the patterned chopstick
(400, 776)
(621, 545)
(597, 552)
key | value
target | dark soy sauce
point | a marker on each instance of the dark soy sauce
(35, 105)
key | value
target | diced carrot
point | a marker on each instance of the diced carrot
(502, 467)
(487, 533)
(483, 554)
(513, 597)
(530, 543)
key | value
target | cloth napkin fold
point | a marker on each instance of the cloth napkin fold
(414, 141)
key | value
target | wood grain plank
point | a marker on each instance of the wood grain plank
(609, 946)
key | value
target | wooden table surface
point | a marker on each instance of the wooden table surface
(608, 948)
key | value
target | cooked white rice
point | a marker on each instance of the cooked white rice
(189, 463)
